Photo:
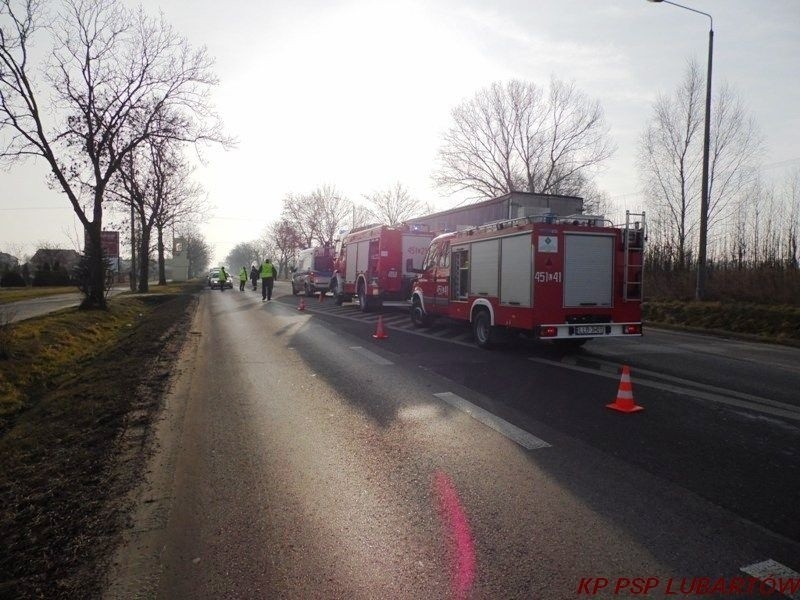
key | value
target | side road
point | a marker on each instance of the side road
(36, 307)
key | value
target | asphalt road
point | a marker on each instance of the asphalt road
(300, 458)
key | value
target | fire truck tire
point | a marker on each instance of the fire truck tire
(336, 292)
(307, 290)
(482, 329)
(418, 317)
(364, 305)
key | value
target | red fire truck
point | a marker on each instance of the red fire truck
(568, 279)
(377, 263)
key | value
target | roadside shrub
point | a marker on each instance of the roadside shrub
(47, 278)
(12, 279)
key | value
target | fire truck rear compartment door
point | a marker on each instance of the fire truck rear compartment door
(415, 247)
(362, 263)
(350, 265)
(588, 270)
(484, 261)
(515, 270)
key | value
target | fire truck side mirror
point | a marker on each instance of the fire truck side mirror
(410, 267)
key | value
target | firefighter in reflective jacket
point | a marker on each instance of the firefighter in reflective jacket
(242, 279)
(267, 280)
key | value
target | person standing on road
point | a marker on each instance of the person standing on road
(254, 276)
(267, 280)
(223, 278)
(242, 278)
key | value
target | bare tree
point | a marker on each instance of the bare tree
(198, 251)
(791, 194)
(668, 165)
(243, 254)
(182, 202)
(670, 158)
(303, 214)
(395, 205)
(318, 216)
(515, 137)
(282, 240)
(111, 72)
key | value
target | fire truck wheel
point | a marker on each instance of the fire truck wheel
(418, 317)
(363, 301)
(307, 291)
(482, 329)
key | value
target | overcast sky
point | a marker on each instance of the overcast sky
(357, 94)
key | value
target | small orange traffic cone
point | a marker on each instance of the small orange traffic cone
(380, 333)
(302, 305)
(624, 402)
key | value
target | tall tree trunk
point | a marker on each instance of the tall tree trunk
(144, 261)
(133, 249)
(96, 296)
(162, 274)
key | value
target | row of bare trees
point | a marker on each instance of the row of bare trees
(318, 218)
(155, 183)
(114, 86)
(516, 136)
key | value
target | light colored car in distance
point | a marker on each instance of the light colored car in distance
(312, 272)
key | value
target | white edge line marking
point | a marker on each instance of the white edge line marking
(786, 414)
(377, 359)
(512, 432)
(774, 569)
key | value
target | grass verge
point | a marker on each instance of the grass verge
(759, 322)
(76, 382)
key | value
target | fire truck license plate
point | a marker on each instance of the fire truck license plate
(589, 330)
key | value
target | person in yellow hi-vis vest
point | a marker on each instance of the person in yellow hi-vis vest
(223, 278)
(242, 279)
(268, 274)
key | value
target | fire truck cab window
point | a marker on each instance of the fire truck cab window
(444, 256)
(432, 256)
(459, 274)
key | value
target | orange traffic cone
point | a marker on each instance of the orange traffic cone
(380, 333)
(302, 305)
(624, 402)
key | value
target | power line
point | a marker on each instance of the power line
(37, 208)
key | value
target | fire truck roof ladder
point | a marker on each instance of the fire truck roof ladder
(634, 247)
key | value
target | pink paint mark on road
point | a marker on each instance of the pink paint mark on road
(455, 521)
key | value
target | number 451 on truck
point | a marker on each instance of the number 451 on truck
(567, 279)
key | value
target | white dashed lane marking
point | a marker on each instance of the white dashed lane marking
(786, 581)
(512, 432)
(378, 360)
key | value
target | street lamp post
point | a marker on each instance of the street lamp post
(701, 256)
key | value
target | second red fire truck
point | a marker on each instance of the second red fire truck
(567, 279)
(377, 263)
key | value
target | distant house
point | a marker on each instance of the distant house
(8, 262)
(53, 259)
